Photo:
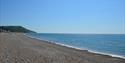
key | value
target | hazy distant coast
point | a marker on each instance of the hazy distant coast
(18, 29)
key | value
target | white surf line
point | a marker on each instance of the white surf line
(112, 55)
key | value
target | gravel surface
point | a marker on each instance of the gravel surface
(18, 48)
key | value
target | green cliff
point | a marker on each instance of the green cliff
(15, 29)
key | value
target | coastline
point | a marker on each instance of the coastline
(16, 47)
(69, 46)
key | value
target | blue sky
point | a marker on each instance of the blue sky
(65, 16)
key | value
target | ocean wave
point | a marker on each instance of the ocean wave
(92, 51)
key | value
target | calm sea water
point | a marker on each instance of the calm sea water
(110, 44)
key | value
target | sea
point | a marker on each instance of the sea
(107, 44)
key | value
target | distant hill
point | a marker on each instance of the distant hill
(15, 29)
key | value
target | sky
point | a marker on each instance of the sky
(65, 16)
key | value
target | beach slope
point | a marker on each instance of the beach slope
(18, 48)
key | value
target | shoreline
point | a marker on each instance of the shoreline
(84, 49)
(19, 48)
